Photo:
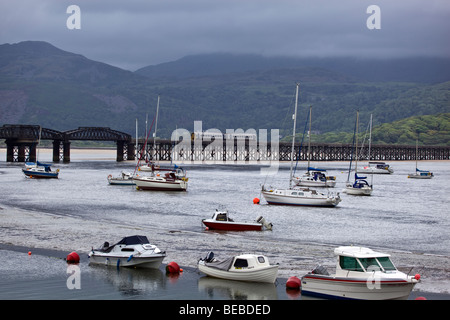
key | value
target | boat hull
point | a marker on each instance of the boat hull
(267, 274)
(153, 262)
(358, 191)
(40, 175)
(420, 176)
(232, 226)
(330, 287)
(121, 182)
(288, 200)
(160, 184)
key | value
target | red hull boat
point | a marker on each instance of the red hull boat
(221, 221)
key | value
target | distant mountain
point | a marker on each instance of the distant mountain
(420, 69)
(41, 84)
(41, 61)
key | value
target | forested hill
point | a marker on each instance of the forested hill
(42, 84)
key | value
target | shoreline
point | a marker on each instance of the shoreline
(57, 234)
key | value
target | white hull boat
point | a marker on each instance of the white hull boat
(300, 197)
(125, 179)
(375, 167)
(362, 274)
(246, 267)
(315, 179)
(292, 196)
(421, 174)
(170, 181)
(133, 251)
(359, 188)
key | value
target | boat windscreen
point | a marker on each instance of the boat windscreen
(386, 263)
(134, 240)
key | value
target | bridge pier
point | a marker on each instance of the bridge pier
(20, 151)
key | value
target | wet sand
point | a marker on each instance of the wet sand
(34, 231)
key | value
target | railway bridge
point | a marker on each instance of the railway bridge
(21, 143)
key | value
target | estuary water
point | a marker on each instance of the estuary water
(407, 218)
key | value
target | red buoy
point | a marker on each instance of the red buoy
(293, 283)
(255, 200)
(172, 267)
(73, 257)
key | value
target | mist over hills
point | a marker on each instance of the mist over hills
(41, 84)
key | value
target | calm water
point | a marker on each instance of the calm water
(402, 213)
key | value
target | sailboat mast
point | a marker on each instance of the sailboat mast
(309, 140)
(370, 136)
(356, 143)
(156, 126)
(293, 133)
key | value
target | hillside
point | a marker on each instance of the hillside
(41, 84)
(429, 130)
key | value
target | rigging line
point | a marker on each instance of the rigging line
(283, 123)
(143, 147)
(301, 143)
(351, 156)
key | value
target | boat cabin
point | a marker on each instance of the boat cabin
(249, 261)
(360, 259)
(221, 216)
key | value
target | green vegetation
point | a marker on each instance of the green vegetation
(40, 84)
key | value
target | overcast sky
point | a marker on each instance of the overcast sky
(136, 33)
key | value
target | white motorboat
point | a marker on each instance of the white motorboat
(174, 180)
(361, 273)
(245, 267)
(300, 197)
(125, 179)
(132, 251)
(377, 167)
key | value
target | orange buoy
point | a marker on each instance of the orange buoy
(172, 267)
(293, 283)
(29, 253)
(73, 257)
(255, 200)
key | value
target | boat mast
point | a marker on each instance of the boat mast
(39, 146)
(309, 140)
(370, 136)
(154, 134)
(356, 143)
(293, 134)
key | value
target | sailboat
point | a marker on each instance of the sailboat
(296, 196)
(376, 167)
(360, 187)
(39, 170)
(420, 174)
(314, 177)
(160, 178)
(125, 178)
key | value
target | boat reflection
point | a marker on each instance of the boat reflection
(216, 288)
(132, 281)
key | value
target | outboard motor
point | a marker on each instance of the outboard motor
(266, 224)
(209, 256)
